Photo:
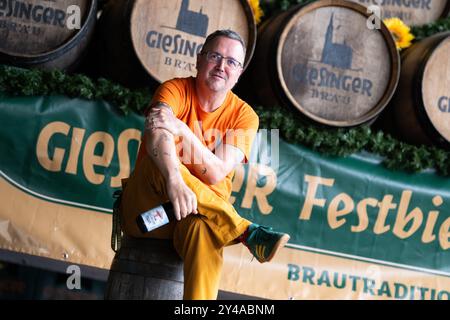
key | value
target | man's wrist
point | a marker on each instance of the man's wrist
(184, 130)
(174, 177)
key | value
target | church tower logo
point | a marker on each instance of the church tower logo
(338, 55)
(332, 77)
(195, 23)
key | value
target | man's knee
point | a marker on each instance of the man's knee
(193, 232)
(192, 226)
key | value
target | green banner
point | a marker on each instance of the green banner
(68, 151)
(349, 207)
(75, 152)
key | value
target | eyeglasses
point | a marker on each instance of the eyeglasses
(215, 57)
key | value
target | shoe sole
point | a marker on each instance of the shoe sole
(280, 244)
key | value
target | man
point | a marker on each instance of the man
(213, 131)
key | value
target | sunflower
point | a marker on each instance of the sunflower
(256, 9)
(400, 31)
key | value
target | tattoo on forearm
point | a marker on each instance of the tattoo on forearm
(204, 171)
(155, 152)
(165, 138)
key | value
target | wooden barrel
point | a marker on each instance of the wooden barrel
(323, 61)
(161, 39)
(422, 102)
(412, 12)
(145, 269)
(45, 34)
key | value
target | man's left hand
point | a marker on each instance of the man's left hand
(163, 117)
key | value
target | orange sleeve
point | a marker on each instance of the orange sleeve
(244, 131)
(173, 93)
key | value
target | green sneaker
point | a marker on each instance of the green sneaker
(263, 242)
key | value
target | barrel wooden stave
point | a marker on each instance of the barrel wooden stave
(262, 67)
(146, 269)
(116, 58)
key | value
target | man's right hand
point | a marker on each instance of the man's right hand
(183, 199)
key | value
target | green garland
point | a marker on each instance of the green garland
(331, 142)
(22, 82)
(429, 29)
(342, 142)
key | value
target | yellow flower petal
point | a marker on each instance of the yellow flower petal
(256, 9)
(400, 31)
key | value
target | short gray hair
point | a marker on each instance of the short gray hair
(224, 33)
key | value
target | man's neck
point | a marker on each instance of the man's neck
(210, 100)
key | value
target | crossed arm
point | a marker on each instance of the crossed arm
(211, 168)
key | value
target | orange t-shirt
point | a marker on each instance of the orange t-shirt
(234, 122)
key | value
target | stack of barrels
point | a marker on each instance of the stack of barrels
(419, 112)
(159, 39)
(324, 60)
(334, 67)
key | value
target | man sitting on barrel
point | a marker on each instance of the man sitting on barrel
(216, 130)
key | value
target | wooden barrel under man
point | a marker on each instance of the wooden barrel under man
(412, 12)
(45, 34)
(160, 39)
(323, 61)
(422, 102)
(145, 269)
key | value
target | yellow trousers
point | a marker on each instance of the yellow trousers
(198, 239)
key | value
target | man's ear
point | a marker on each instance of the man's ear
(240, 74)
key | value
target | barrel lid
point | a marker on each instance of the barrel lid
(413, 13)
(167, 35)
(436, 88)
(37, 27)
(332, 67)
